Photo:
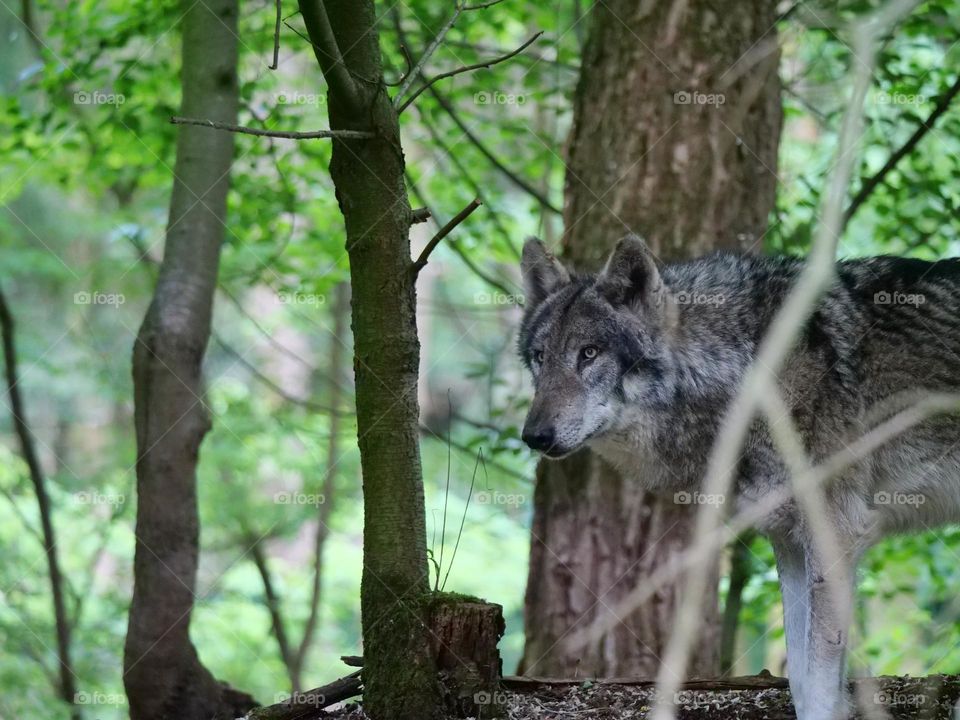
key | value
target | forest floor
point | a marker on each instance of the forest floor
(930, 698)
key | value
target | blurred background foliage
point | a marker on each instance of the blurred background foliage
(86, 152)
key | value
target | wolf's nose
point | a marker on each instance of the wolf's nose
(538, 438)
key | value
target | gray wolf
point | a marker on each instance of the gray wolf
(639, 361)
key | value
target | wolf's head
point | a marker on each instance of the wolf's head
(595, 344)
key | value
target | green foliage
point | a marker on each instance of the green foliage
(84, 187)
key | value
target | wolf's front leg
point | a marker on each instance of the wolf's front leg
(791, 567)
(830, 588)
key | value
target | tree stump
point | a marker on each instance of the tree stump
(465, 633)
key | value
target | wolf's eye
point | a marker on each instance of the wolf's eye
(589, 352)
(538, 357)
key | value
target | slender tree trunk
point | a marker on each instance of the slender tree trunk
(399, 670)
(67, 689)
(162, 673)
(655, 151)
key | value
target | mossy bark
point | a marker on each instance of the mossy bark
(400, 679)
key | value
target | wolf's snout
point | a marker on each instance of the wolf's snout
(538, 438)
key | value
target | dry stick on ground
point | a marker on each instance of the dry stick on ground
(923, 128)
(307, 705)
(444, 231)
(468, 68)
(814, 279)
(286, 134)
(29, 452)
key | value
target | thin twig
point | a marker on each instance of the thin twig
(923, 128)
(444, 231)
(468, 68)
(287, 134)
(431, 48)
(406, 73)
(276, 39)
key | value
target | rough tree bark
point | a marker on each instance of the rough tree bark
(399, 672)
(162, 674)
(690, 175)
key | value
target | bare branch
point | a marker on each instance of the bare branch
(276, 39)
(287, 134)
(923, 128)
(406, 73)
(29, 451)
(464, 256)
(468, 68)
(444, 231)
(419, 215)
(273, 608)
(327, 52)
(431, 48)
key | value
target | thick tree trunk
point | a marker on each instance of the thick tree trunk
(162, 673)
(652, 151)
(399, 672)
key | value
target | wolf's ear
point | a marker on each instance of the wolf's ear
(630, 276)
(542, 272)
